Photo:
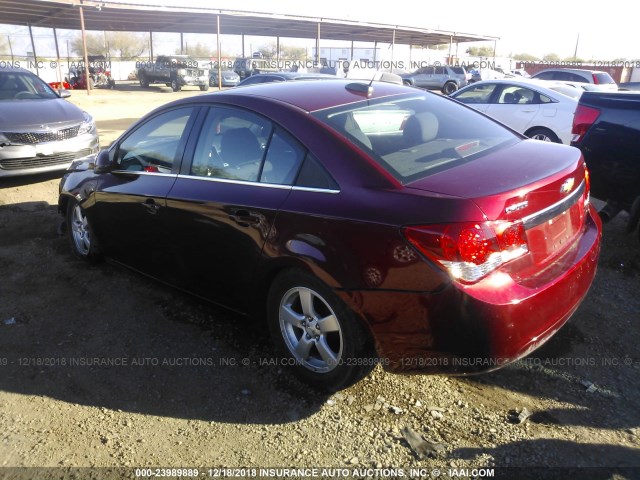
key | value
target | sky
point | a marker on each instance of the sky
(541, 27)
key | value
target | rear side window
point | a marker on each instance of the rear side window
(544, 76)
(458, 70)
(603, 78)
(414, 136)
(313, 175)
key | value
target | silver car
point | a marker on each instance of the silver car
(39, 130)
(441, 77)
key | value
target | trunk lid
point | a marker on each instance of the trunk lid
(547, 193)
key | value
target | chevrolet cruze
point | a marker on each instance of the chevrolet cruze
(358, 222)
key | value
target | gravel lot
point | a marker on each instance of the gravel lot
(101, 367)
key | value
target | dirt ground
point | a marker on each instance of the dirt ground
(101, 368)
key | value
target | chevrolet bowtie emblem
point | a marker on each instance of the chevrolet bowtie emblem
(567, 185)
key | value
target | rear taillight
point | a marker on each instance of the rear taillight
(582, 121)
(470, 251)
(595, 79)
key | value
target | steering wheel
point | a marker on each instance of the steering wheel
(131, 160)
(23, 94)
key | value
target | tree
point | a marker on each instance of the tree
(551, 57)
(525, 57)
(267, 51)
(4, 46)
(480, 51)
(95, 44)
(126, 44)
(199, 50)
(293, 53)
(120, 44)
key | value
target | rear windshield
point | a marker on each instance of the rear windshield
(603, 78)
(414, 136)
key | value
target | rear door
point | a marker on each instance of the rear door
(223, 204)
(514, 106)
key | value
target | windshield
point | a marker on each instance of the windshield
(16, 85)
(414, 136)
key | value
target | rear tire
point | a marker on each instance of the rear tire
(144, 81)
(81, 237)
(316, 335)
(449, 87)
(543, 134)
(175, 85)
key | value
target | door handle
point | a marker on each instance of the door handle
(244, 218)
(151, 206)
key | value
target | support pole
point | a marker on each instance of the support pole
(318, 46)
(10, 48)
(219, 67)
(84, 51)
(151, 46)
(33, 47)
(55, 39)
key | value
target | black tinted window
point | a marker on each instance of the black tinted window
(544, 76)
(313, 175)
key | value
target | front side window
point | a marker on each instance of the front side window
(414, 136)
(154, 146)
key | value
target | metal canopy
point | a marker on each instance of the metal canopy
(110, 16)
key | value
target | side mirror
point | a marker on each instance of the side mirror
(64, 93)
(103, 162)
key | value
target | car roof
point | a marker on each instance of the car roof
(293, 75)
(572, 70)
(14, 69)
(314, 95)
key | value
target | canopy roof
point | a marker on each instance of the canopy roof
(130, 17)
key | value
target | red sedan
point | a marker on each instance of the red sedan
(366, 223)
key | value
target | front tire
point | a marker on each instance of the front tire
(81, 237)
(317, 335)
(203, 88)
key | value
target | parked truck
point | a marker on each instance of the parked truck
(174, 71)
(606, 128)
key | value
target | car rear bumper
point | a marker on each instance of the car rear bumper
(474, 328)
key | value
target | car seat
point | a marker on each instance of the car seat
(239, 146)
(420, 128)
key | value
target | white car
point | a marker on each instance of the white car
(588, 79)
(540, 110)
